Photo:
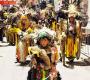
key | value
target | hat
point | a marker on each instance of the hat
(72, 10)
(42, 35)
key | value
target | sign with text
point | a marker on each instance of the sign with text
(7, 2)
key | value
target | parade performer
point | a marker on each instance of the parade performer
(44, 60)
(51, 17)
(22, 42)
(71, 47)
(3, 21)
(12, 28)
(73, 35)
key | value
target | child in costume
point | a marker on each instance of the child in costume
(44, 59)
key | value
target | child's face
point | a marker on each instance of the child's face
(44, 42)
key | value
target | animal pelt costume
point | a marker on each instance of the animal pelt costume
(42, 54)
(44, 58)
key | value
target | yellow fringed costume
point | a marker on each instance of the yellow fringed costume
(54, 25)
(22, 46)
(73, 33)
(72, 45)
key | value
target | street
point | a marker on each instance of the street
(9, 70)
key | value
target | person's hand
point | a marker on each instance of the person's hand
(43, 52)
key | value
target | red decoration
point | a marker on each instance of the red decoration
(7, 2)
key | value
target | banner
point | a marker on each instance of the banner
(7, 2)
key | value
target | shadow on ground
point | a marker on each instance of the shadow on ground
(85, 62)
(24, 64)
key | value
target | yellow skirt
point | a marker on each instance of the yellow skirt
(71, 47)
